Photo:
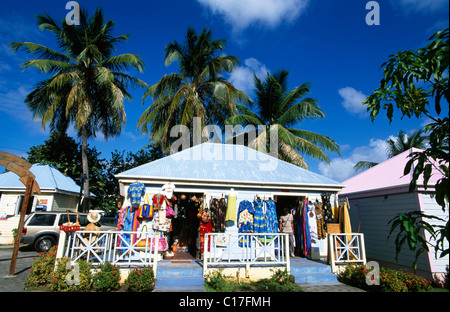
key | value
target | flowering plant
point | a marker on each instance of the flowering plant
(41, 268)
(107, 278)
(390, 280)
(81, 282)
(140, 280)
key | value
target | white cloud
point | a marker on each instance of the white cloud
(12, 104)
(353, 100)
(240, 14)
(242, 77)
(340, 169)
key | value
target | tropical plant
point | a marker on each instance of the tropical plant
(41, 268)
(140, 280)
(197, 90)
(88, 84)
(400, 144)
(411, 79)
(107, 278)
(278, 106)
(68, 277)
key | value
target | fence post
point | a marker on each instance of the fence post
(61, 244)
(205, 255)
(288, 260)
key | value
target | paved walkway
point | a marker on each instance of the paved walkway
(15, 283)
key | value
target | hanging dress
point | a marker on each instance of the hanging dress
(130, 224)
(304, 235)
(312, 222)
(230, 216)
(245, 222)
(321, 232)
(259, 219)
(327, 212)
(271, 217)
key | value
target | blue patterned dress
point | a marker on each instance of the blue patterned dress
(259, 220)
(245, 221)
(271, 218)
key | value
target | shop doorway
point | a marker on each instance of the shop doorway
(283, 202)
(185, 226)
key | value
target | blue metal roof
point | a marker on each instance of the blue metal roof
(48, 178)
(226, 163)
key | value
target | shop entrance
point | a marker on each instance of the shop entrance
(291, 203)
(185, 226)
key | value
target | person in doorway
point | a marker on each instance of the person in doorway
(287, 226)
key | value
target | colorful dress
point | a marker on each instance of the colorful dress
(218, 208)
(271, 217)
(303, 230)
(230, 215)
(245, 222)
(135, 192)
(259, 219)
(130, 224)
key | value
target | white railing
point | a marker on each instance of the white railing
(116, 247)
(346, 248)
(236, 249)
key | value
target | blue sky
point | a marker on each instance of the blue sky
(326, 43)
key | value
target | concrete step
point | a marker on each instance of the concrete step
(312, 272)
(180, 277)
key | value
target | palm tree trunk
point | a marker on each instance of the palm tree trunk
(85, 165)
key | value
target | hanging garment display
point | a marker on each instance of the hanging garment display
(271, 217)
(121, 218)
(245, 221)
(259, 218)
(130, 224)
(312, 222)
(135, 192)
(304, 234)
(168, 189)
(158, 200)
(218, 209)
(321, 232)
(230, 215)
(326, 210)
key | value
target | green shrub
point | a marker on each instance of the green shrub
(140, 280)
(107, 278)
(81, 280)
(390, 280)
(280, 281)
(41, 268)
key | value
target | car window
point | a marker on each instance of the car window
(82, 219)
(42, 220)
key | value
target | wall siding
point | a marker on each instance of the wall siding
(430, 207)
(373, 214)
(63, 202)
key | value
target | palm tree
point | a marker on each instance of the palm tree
(278, 106)
(402, 143)
(197, 90)
(88, 84)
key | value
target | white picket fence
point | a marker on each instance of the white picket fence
(248, 250)
(345, 248)
(116, 247)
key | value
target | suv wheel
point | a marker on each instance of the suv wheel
(44, 243)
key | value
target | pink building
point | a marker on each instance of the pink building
(380, 193)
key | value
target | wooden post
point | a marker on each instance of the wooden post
(28, 194)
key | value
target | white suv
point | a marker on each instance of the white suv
(41, 229)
